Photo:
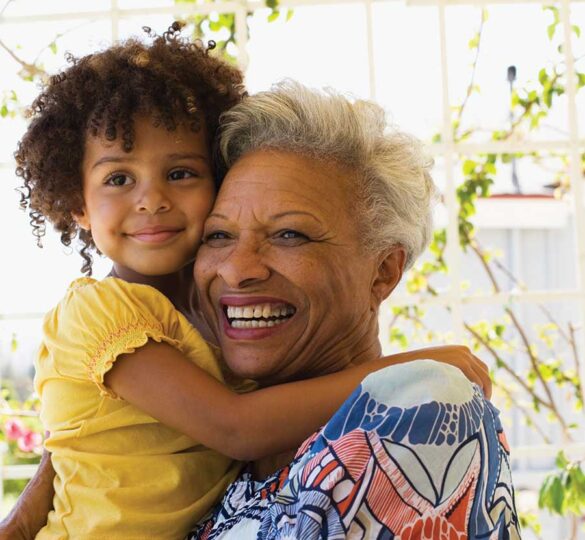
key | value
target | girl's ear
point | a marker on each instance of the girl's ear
(82, 219)
(389, 274)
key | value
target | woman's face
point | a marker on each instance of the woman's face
(283, 278)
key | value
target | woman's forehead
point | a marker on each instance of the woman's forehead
(283, 181)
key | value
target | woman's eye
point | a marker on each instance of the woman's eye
(216, 238)
(119, 180)
(181, 174)
(291, 236)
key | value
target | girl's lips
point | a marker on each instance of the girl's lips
(155, 236)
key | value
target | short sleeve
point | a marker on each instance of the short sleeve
(98, 321)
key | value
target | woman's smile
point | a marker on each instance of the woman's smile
(254, 317)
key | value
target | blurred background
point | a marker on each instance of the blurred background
(496, 89)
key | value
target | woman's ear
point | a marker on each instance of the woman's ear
(82, 219)
(389, 274)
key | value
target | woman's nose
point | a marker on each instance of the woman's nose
(153, 199)
(244, 266)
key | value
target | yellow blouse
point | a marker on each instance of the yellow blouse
(120, 473)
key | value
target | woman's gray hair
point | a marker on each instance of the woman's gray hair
(394, 190)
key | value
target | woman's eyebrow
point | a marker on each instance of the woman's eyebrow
(273, 217)
(295, 213)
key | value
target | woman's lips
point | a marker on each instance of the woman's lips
(254, 317)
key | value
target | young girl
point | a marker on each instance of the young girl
(118, 152)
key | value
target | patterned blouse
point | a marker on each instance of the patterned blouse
(416, 452)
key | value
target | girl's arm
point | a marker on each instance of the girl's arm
(158, 379)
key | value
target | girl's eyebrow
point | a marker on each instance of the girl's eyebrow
(121, 159)
(112, 159)
(189, 155)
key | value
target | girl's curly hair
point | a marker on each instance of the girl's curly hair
(171, 79)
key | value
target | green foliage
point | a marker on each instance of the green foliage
(563, 491)
(20, 432)
(222, 26)
(549, 350)
(8, 104)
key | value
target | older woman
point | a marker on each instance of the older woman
(322, 211)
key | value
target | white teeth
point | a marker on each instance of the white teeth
(254, 324)
(259, 311)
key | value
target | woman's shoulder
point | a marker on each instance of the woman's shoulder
(412, 383)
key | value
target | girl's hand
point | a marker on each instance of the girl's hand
(458, 356)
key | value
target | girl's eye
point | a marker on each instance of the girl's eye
(180, 174)
(119, 180)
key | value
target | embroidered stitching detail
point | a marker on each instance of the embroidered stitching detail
(124, 340)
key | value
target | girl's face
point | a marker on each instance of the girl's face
(146, 208)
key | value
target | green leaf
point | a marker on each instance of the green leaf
(561, 460)
(289, 14)
(557, 495)
(53, 47)
(474, 42)
(576, 30)
(490, 168)
(274, 15)
(4, 111)
(550, 30)
(542, 76)
(469, 167)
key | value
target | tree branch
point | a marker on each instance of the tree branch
(534, 360)
(30, 69)
(526, 412)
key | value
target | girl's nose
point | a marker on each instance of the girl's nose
(153, 200)
(244, 266)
